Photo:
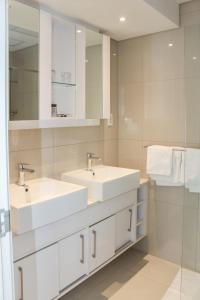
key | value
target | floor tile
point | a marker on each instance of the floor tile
(132, 276)
(159, 270)
(141, 288)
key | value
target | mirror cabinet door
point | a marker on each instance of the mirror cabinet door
(23, 61)
(94, 74)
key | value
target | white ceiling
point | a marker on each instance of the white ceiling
(141, 17)
(104, 14)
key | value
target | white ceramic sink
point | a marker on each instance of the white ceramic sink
(46, 201)
(106, 182)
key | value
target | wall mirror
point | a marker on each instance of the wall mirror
(94, 74)
(23, 61)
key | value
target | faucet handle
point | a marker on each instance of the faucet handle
(90, 154)
(22, 165)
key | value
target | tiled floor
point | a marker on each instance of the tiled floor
(133, 276)
(185, 286)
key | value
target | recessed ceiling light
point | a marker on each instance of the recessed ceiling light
(170, 45)
(79, 31)
(194, 58)
(122, 19)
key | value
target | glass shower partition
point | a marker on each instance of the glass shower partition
(190, 271)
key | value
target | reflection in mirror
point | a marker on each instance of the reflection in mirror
(94, 74)
(23, 61)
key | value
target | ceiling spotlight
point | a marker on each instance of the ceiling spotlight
(194, 58)
(122, 19)
(79, 31)
(170, 45)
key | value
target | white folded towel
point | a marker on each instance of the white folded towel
(159, 160)
(176, 178)
(192, 170)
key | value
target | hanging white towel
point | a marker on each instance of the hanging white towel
(192, 170)
(159, 160)
(178, 167)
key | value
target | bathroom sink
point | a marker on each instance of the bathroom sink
(44, 201)
(105, 182)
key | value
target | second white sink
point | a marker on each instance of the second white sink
(106, 182)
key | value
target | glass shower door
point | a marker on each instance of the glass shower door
(190, 271)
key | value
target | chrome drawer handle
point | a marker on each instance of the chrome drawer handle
(131, 214)
(83, 247)
(95, 243)
(22, 283)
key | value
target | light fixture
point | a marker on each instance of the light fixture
(79, 31)
(170, 45)
(122, 19)
(194, 58)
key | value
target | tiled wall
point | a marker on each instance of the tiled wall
(52, 151)
(159, 94)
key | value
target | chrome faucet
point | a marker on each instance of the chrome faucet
(90, 158)
(22, 170)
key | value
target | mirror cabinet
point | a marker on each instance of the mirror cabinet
(59, 70)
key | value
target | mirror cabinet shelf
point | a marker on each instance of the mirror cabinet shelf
(59, 71)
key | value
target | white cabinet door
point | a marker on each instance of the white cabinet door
(125, 226)
(36, 276)
(73, 258)
(64, 51)
(101, 242)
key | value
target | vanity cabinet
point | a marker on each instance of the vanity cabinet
(126, 226)
(101, 242)
(72, 256)
(36, 276)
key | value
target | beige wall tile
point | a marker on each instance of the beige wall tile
(191, 18)
(77, 135)
(131, 110)
(111, 152)
(130, 61)
(130, 154)
(192, 50)
(114, 63)
(164, 111)
(190, 7)
(30, 139)
(159, 61)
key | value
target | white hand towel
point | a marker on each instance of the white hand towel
(159, 160)
(177, 176)
(192, 170)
